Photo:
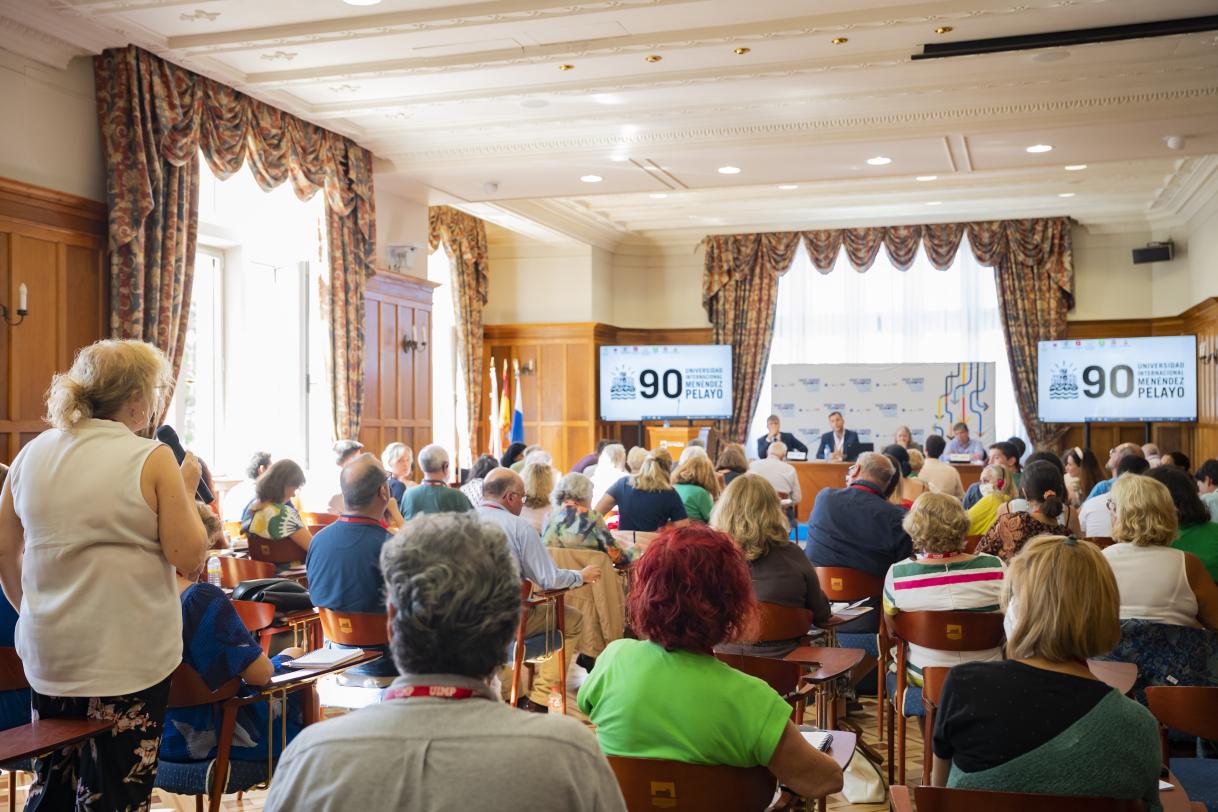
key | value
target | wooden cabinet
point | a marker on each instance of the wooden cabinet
(54, 244)
(397, 383)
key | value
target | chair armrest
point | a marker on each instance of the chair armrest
(824, 664)
(899, 798)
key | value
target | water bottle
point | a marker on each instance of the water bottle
(213, 570)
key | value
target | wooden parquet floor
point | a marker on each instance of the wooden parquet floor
(255, 801)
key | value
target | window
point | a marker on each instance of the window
(449, 404)
(885, 315)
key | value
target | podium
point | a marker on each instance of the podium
(674, 437)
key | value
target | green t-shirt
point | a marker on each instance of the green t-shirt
(650, 703)
(1202, 541)
(697, 501)
(433, 499)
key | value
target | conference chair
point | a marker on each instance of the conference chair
(648, 784)
(259, 620)
(356, 629)
(844, 584)
(943, 631)
(970, 544)
(235, 570)
(933, 678)
(553, 644)
(1101, 541)
(279, 551)
(941, 799)
(1193, 711)
(603, 604)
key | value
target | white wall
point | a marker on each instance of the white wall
(1107, 285)
(400, 220)
(1203, 252)
(535, 282)
(48, 133)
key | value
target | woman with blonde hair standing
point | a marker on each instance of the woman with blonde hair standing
(94, 519)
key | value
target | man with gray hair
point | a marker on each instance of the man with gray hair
(441, 739)
(433, 495)
(781, 474)
(502, 499)
(857, 527)
(343, 559)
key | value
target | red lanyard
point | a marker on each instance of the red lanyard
(493, 506)
(935, 556)
(433, 691)
(363, 520)
(862, 486)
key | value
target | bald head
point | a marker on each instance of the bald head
(504, 487)
(364, 484)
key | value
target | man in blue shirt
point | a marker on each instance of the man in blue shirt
(1114, 459)
(344, 557)
(502, 499)
(961, 443)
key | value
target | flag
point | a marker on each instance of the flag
(505, 408)
(518, 408)
(495, 437)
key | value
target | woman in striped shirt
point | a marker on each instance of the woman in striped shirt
(943, 578)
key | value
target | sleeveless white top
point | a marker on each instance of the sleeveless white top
(100, 614)
(1153, 584)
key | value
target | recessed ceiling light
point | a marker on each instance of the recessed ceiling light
(591, 178)
(1039, 148)
(839, 40)
(534, 104)
(944, 29)
(657, 195)
(1055, 55)
(925, 178)
(729, 170)
(786, 187)
(1075, 167)
(619, 158)
(934, 202)
(361, 2)
(566, 66)
(1066, 194)
(879, 160)
(653, 58)
(741, 51)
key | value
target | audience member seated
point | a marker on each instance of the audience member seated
(216, 644)
(1198, 535)
(1177, 459)
(272, 515)
(591, 460)
(1000, 453)
(1040, 721)
(398, 459)
(94, 518)
(941, 476)
(997, 488)
(502, 499)
(732, 463)
(664, 457)
(344, 558)
(961, 443)
(529, 450)
(1114, 459)
(634, 460)
(513, 455)
(541, 457)
(610, 467)
(239, 496)
(344, 452)
(916, 460)
(1095, 515)
(694, 480)
(1207, 486)
(645, 502)
(571, 524)
(750, 515)
(666, 696)
(944, 578)
(904, 438)
(441, 739)
(14, 705)
(1068, 521)
(1044, 488)
(856, 527)
(1151, 452)
(781, 474)
(1082, 473)
(538, 478)
(433, 495)
(477, 473)
(905, 489)
(774, 434)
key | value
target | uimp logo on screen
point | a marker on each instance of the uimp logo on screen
(665, 382)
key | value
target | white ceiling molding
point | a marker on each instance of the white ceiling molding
(1193, 185)
(37, 45)
(94, 7)
(569, 219)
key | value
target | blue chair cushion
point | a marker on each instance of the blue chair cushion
(1199, 779)
(539, 645)
(190, 778)
(913, 696)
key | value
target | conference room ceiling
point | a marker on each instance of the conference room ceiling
(471, 102)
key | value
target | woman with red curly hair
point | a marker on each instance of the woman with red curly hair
(666, 696)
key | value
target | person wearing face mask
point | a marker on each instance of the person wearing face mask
(997, 487)
(94, 519)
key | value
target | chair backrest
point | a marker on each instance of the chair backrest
(776, 622)
(256, 615)
(846, 584)
(235, 570)
(780, 675)
(651, 783)
(948, 631)
(12, 673)
(1190, 709)
(1101, 541)
(355, 628)
(638, 538)
(970, 544)
(319, 519)
(275, 551)
(187, 689)
(941, 799)
(933, 677)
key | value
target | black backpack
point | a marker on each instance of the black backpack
(284, 594)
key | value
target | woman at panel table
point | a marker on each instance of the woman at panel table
(646, 502)
(904, 438)
(1040, 721)
(695, 481)
(691, 592)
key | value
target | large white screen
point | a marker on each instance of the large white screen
(1108, 379)
(666, 382)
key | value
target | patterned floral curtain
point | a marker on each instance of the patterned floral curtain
(1033, 260)
(155, 118)
(464, 237)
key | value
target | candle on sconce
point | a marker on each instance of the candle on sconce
(22, 298)
(414, 333)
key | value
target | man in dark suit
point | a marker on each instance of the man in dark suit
(773, 434)
(839, 444)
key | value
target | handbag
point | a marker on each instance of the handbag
(862, 782)
(284, 594)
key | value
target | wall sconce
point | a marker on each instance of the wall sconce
(528, 368)
(412, 344)
(22, 307)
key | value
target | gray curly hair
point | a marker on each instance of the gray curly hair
(456, 592)
(572, 487)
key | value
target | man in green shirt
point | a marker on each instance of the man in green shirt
(433, 495)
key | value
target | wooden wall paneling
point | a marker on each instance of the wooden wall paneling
(8, 291)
